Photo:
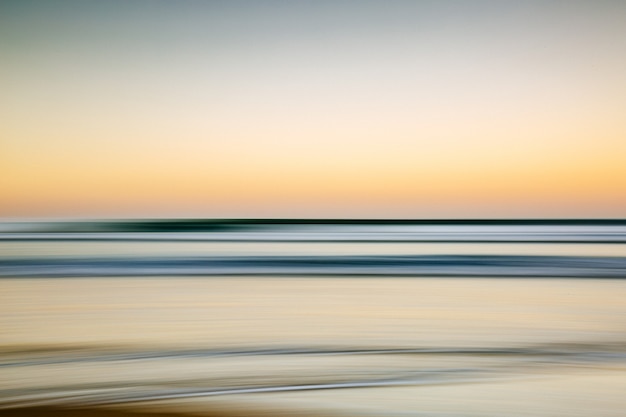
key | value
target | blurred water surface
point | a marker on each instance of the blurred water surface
(360, 319)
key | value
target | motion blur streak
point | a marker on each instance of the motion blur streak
(288, 317)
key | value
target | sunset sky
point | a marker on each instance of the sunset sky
(326, 108)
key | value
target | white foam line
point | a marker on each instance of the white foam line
(91, 398)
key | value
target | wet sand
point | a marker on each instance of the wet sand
(580, 393)
(555, 346)
(173, 312)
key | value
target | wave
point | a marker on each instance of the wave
(496, 363)
(398, 265)
(364, 236)
(556, 352)
(535, 231)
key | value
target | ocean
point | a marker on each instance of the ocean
(359, 318)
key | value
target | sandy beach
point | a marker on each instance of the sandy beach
(312, 347)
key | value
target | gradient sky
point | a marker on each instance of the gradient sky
(325, 108)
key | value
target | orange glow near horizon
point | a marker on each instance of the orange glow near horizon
(269, 119)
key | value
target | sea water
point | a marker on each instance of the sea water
(356, 318)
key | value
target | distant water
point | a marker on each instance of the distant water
(367, 318)
(362, 248)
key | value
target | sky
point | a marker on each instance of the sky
(325, 108)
